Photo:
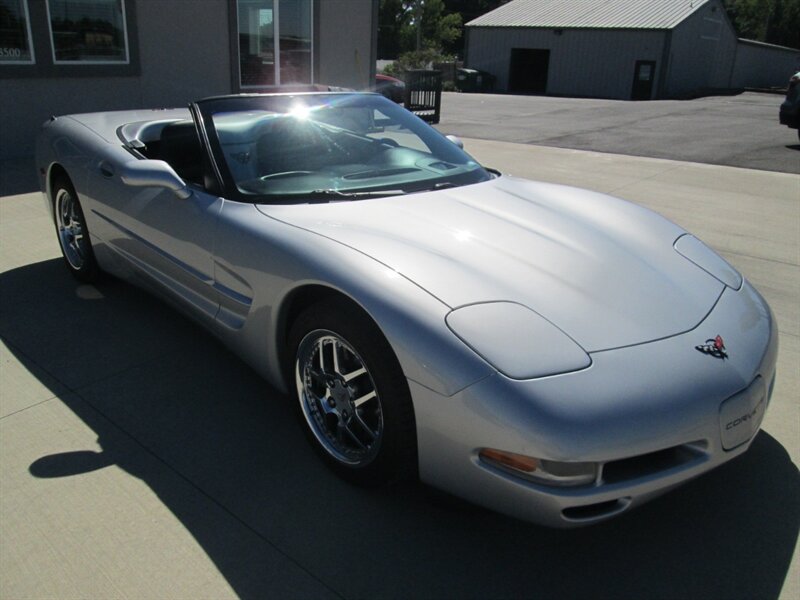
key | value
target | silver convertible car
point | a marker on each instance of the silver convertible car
(551, 353)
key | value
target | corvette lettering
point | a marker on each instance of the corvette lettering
(714, 347)
(744, 418)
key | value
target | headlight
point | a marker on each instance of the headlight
(704, 257)
(516, 341)
(546, 472)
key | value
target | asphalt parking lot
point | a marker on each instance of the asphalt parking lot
(140, 459)
(738, 131)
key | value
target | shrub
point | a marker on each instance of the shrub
(418, 59)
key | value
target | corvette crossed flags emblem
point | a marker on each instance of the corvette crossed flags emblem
(715, 347)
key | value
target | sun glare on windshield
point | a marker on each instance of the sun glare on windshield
(300, 111)
(284, 147)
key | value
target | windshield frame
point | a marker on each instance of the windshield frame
(204, 110)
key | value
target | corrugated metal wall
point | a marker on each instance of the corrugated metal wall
(698, 55)
(758, 65)
(702, 51)
(583, 62)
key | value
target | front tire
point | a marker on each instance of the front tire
(72, 232)
(353, 397)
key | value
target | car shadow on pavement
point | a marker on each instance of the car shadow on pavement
(224, 453)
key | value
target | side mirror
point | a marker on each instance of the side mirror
(456, 140)
(154, 173)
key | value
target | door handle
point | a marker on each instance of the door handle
(107, 169)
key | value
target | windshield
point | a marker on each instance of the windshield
(275, 148)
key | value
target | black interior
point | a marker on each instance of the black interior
(180, 147)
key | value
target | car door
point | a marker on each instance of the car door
(168, 240)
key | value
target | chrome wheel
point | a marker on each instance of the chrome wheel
(71, 230)
(338, 398)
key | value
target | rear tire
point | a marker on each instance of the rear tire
(354, 401)
(73, 233)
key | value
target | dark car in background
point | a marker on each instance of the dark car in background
(390, 87)
(790, 109)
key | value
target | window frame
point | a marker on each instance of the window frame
(236, 58)
(88, 62)
(43, 48)
(32, 61)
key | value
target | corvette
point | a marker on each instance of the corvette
(551, 353)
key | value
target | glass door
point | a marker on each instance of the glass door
(275, 46)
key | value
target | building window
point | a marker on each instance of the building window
(295, 42)
(274, 42)
(88, 31)
(15, 33)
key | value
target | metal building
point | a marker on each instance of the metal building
(624, 49)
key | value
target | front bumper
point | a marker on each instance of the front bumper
(790, 117)
(652, 416)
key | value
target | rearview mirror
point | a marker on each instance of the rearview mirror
(154, 173)
(456, 140)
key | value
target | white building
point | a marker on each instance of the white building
(625, 49)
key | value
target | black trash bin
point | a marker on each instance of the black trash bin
(424, 94)
(473, 80)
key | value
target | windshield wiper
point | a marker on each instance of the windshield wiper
(329, 195)
(442, 185)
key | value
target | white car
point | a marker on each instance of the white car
(549, 352)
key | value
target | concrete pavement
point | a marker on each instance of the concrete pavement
(140, 459)
(739, 131)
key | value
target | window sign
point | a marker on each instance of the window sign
(15, 33)
(88, 31)
(274, 42)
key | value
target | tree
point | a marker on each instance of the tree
(469, 10)
(392, 18)
(437, 28)
(771, 21)
(415, 25)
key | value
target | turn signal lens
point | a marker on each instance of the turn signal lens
(509, 459)
(546, 472)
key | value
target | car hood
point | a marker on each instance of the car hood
(601, 269)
